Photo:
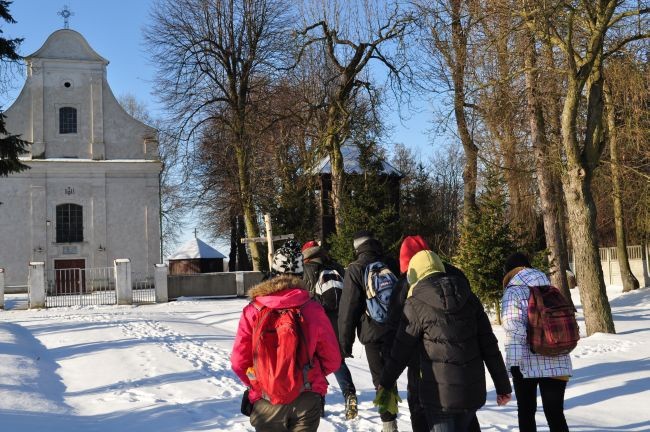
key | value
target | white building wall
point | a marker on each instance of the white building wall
(108, 167)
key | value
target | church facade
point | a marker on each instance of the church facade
(92, 191)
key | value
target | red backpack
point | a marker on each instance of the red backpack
(552, 326)
(279, 347)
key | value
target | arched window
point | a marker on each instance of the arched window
(69, 223)
(67, 120)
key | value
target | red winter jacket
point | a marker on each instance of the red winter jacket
(284, 292)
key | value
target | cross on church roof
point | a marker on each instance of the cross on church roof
(65, 13)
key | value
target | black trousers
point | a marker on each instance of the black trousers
(418, 415)
(418, 412)
(376, 365)
(552, 391)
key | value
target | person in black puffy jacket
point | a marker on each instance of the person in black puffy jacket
(447, 321)
(353, 316)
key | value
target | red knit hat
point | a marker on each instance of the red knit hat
(309, 244)
(410, 246)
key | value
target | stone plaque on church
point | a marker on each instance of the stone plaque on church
(70, 250)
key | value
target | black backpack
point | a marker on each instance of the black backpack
(328, 288)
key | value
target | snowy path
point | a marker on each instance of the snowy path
(166, 368)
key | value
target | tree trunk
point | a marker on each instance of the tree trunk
(504, 124)
(234, 244)
(582, 221)
(470, 170)
(589, 273)
(243, 263)
(338, 175)
(250, 221)
(543, 166)
(555, 154)
(630, 282)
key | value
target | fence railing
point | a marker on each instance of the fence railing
(143, 288)
(80, 286)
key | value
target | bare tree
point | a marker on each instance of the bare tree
(173, 204)
(543, 167)
(213, 58)
(580, 31)
(349, 35)
(448, 25)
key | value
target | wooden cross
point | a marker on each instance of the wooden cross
(269, 239)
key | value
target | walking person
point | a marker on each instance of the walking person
(284, 348)
(529, 370)
(445, 325)
(323, 278)
(410, 246)
(354, 316)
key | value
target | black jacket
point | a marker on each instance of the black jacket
(447, 324)
(352, 309)
(396, 310)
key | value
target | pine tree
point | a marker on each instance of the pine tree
(486, 241)
(11, 146)
(367, 205)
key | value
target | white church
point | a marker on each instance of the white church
(92, 193)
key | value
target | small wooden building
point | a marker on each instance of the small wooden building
(196, 256)
(353, 166)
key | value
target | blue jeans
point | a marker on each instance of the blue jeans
(443, 422)
(344, 378)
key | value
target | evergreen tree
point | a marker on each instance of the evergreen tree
(486, 241)
(11, 146)
(367, 205)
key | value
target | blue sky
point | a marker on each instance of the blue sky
(114, 29)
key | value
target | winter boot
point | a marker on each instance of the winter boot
(351, 410)
(389, 426)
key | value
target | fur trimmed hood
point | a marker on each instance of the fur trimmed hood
(275, 285)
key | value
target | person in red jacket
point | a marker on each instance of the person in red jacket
(304, 412)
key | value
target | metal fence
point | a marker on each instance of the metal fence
(80, 287)
(143, 288)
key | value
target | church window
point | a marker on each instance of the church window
(67, 120)
(69, 223)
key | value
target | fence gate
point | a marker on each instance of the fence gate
(80, 287)
(143, 288)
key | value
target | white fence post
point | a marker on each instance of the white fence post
(239, 281)
(2, 288)
(36, 285)
(160, 282)
(123, 287)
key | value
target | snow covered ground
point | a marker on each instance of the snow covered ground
(165, 368)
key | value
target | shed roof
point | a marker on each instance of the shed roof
(194, 249)
(351, 163)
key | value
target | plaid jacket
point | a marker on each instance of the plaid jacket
(514, 319)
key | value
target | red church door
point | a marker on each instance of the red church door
(70, 276)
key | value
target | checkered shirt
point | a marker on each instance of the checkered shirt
(514, 319)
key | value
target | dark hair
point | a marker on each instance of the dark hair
(517, 259)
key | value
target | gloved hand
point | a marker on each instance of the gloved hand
(387, 400)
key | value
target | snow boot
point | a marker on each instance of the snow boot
(351, 410)
(389, 426)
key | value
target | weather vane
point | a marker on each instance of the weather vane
(65, 13)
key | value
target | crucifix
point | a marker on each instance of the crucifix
(65, 13)
(269, 239)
